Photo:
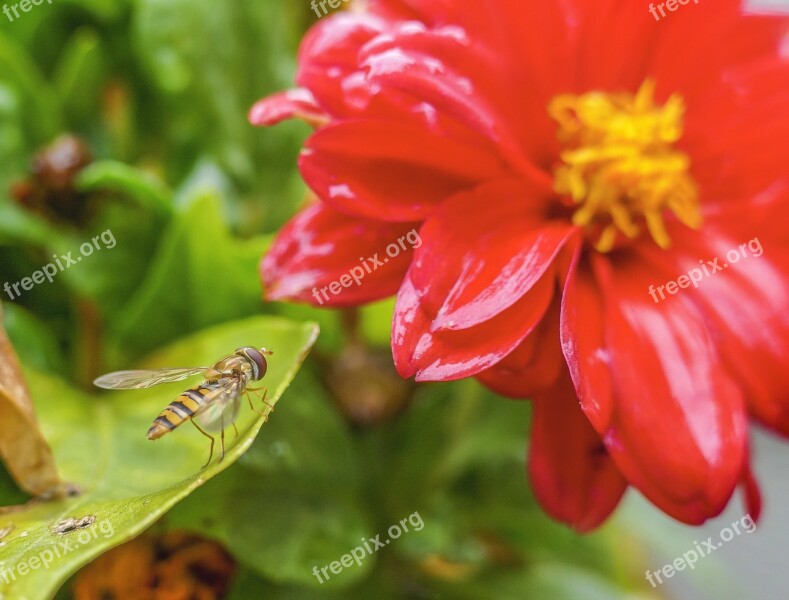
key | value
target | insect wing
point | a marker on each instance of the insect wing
(220, 408)
(136, 380)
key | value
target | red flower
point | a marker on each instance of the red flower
(558, 159)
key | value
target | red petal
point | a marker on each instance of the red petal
(434, 83)
(449, 355)
(751, 112)
(605, 28)
(673, 421)
(297, 103)
(746, 304)
(571, 472)
(688, 56)
(487, 288)
(328, 54)
(322, 248)
(456, 286)
(402, 177)
(430, 11)
(516, 74)
(753, 495)
(582, 330)
(444, 268)
(534, 366)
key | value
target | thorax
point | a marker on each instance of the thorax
(231, 366)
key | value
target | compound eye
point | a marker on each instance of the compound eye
(259, 360)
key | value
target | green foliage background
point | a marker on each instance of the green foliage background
(160, 90)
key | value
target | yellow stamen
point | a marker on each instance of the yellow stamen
(620, 166)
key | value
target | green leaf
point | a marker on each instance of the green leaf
(36, 344)
(126, 482)
(461, 426)
(139, 186)
(79, 75)
(29, 112)
(18, 225)
(40, 108)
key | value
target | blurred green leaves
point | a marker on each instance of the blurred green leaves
(159, 90)
(210, 62)
(29, 112)
(198, 259)
(161, 83)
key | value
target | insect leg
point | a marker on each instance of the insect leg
(262, 398)
(235, 429)
(211, 452)
(252, 408)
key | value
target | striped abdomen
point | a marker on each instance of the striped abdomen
(180, 410)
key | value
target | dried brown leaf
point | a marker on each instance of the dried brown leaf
(23, 449)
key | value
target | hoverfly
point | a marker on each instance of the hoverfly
(211, 405)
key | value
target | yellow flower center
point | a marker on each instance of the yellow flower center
(619, 164)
